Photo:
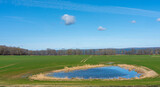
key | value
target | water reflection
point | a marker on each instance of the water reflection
(98, 73)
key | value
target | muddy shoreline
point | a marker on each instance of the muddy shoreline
(146, 73)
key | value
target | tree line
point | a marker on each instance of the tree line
(5, 50)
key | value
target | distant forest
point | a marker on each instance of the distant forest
(5, 50)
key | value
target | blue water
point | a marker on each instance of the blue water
(98, 73)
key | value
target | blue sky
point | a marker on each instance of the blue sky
(38, 24)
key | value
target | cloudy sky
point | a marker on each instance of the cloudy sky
(41, 24)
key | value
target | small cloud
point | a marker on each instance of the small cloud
(158, 19)
(69, 19)
(100, 28)
(133, 21)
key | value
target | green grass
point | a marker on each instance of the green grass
(16, 69)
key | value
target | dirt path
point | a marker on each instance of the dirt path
(85, 59)
(7, 66)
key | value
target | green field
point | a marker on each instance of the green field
(14, 70)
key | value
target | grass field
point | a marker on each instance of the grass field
(14, 70)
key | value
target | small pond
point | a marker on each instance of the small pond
(98, 73)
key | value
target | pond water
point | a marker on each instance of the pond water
(98, 73)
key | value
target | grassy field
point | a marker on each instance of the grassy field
(14, 70)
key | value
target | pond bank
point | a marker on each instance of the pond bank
(146, 73)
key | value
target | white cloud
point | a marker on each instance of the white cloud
(158, 19)
(133, 21)
(100, 28)
(69, 19)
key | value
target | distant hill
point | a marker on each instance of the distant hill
(6, 50)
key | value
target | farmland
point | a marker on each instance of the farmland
(16, 69)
